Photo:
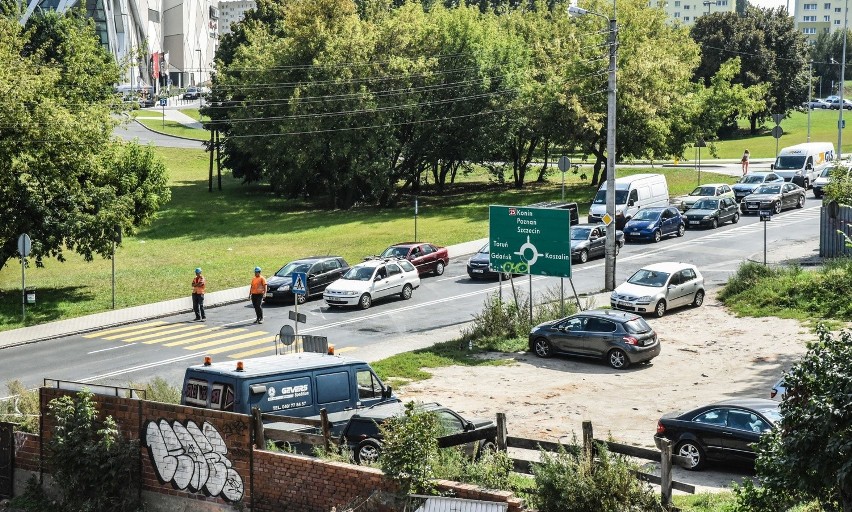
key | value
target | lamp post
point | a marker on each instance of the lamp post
(842, 83)
(609, 260)
(708, 3)
(810, 94)
(198, 81)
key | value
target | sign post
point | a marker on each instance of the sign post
(298, 286)
(25, 246)
(564, 164)
(765, 216)
(416, 208)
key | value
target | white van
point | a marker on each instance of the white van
(803, 163)
(631, 193)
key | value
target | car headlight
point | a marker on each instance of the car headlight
(706, 217)
(613, 295)
(350, 292)
(798, 173)
(283, 287)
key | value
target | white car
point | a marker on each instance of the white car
(371, 280)
(708, 191)
(660, 287)
(820, 183)
(779, 390)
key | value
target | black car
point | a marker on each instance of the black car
(620, 337)
(774, 197)
(478, 266)
(363, 436)
(321, 271)
(712, 212)
(723, 431)
(589, 240)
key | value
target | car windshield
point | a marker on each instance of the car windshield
(359, 274)
(826, 172)
(706, 204)
(637, 326)
(647, 215)
(752, 178)
(620, 197)
(773, 415)
(395, 252)
(789, 163)
(653, 278)
(484, 249)
(703, 191)
(580, 233)
(769, 189)
(293, 266)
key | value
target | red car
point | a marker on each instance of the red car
(425, 257)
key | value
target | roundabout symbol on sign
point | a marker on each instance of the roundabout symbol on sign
(528, 246)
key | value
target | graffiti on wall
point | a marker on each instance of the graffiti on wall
(193, 458)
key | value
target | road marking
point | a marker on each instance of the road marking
(254, 352)
(141, 367)
(172, 331)
(140, 331)
(175, 341)
(108, 349)
(245, 344)
(119, 329)
(213, 343)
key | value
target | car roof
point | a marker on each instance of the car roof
(387, 409)
(711, 185)
(588, 225)
(669, 266)
(751, 403)
(611, 314)
(406, 244)
(275, 365)
(314, 259)
(654, 208)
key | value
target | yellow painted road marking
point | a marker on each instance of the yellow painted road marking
(172, 331)
(226, 340)
(242, 345)
(118, 329)
(213, 333)
(139, 331)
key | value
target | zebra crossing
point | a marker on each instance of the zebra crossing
(778, 221)
(233, 342)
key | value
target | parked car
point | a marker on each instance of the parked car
(712, 212)
(816, 103)
(363, 434)
(618, 337)
(660, 287)
(706, 191)
(589, 240)
(192, 93)
(653, 223)
(779, 390)
(372, 280)
(724, 431)
(834, 103)
(751, 181)
(321, 271)
(478, 265)
(774, 197)
(820, 183)
(425, 257)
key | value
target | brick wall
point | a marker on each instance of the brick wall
(26, 451)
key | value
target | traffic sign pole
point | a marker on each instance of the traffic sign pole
(24, 248)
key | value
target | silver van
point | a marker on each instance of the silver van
(631, 193)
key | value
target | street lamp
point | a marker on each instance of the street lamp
(810, 94)
(842, 84)
(708, 3)
(609, 260)
(198, 81)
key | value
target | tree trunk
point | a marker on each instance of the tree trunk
(542, 174)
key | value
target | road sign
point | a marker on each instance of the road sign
(299, 284)
(777, 132)
(526, 240)
(607, 219)
(564, 163)
(25, 245)
(777, 118)
(765, 215)
(299, 317)
(163, 102)
(841, 124)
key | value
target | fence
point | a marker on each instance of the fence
(834, 220)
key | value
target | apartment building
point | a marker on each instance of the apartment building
(686, 12)
(232, 11)
(818, 17)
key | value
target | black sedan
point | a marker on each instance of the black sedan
(774, 197)
(723, 431)
(589, 240)
(320, 270)
(712, 212)
(478, 266)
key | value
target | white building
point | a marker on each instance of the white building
(814, 18)
(232, 11)
(686, 12)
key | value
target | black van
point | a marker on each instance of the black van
(296, 385)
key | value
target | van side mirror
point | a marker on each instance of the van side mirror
(631, 202)
(387, 392)
(772, 166)
(809, 166)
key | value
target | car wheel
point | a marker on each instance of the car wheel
(657, 236)
(817, 195)
(699, 299)
(660, 308)
(486, 447)
(693, 452)
(439, 268)
(681, 230)
(714, 224)
(584, 256)
(365, 301)
(617, 358)
(777, 207)
(301, 299)
(801, 203)
(406, 292)
(735, 218)
(542, 348)
(806, 184)
(367, 451)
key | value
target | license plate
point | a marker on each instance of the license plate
(622, 303)
(478, 271)
(268, 295)
(693, 222)
(648, 342)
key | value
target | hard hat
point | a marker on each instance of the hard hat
(198, 270)
(257, 269)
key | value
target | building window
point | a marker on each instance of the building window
(808, 18)
(153, 15)
(723, 3)
(827, 6)
(826, 19)
(837, 9)
(809, 31)
(837, 22)
(685, 7)
(677, 15)
(686, 18)
(810, 7)
(677, 3)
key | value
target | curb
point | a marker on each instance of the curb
(200, 141)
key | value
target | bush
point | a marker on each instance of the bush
(410, 449)
(22, 407)
(158, 390)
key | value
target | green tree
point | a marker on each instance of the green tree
(64, 180)
(809, 455)
(410, 449)
(827, 56)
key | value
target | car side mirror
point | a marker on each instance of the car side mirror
(469, 426)
(387, 392)
(377, 278)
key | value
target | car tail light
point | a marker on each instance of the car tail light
(660, 428)
(773, 393)
(630, 340)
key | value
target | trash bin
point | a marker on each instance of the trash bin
(30, 295)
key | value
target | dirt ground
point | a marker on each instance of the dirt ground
(708, 354)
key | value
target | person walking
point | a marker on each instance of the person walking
(198, 286)
(256, 293)
(745, 162)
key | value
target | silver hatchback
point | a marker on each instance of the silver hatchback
(660, 287)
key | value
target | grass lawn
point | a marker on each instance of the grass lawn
(172, 128)
(227, 233)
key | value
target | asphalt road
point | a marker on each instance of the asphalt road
(436, 312)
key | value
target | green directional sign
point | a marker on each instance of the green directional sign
(527, 240)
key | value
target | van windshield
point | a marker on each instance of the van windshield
(789, 163)
(620, 197)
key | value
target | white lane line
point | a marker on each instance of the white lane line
(141, 367)
(111, 348)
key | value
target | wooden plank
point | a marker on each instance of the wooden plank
(489, 433)
(654, 479)
(665, 472)
(502, 432)
(259, 436)
(588, 441)
(533, 444)
(275, 418)
(288, 436)
(632, 451)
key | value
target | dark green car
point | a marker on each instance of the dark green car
(712, 213)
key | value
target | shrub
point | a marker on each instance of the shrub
(158, 390)
(22, 407)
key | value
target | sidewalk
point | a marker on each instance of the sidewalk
(146, 312)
